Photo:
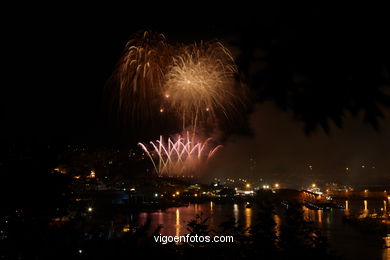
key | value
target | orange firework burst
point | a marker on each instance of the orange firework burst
(191, 82)
(201, 83)
(139, 74)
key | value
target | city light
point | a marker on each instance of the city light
(126, 228)
(182, 119)
(92, 174)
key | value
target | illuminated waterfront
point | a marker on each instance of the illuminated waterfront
(196, 123)
(344, 239)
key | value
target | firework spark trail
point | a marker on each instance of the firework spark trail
(180, 157)
(193, 83)
(200, 83)
(139, 74)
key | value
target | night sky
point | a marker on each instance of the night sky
(58, 62)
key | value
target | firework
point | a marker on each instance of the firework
(179, 157)
(139, 74)
(189, 83)
(194, 85)
(200, 84)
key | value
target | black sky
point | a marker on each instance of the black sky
(58, 60)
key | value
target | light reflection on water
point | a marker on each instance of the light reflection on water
(235, 213)
(178, 222)
(174, 221)
(347, 207)
(277, 224)
(386, 251)
(386, 254)
(319, 213)
(248, 219)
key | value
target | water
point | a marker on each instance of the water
(344, 240)
(174, 220)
